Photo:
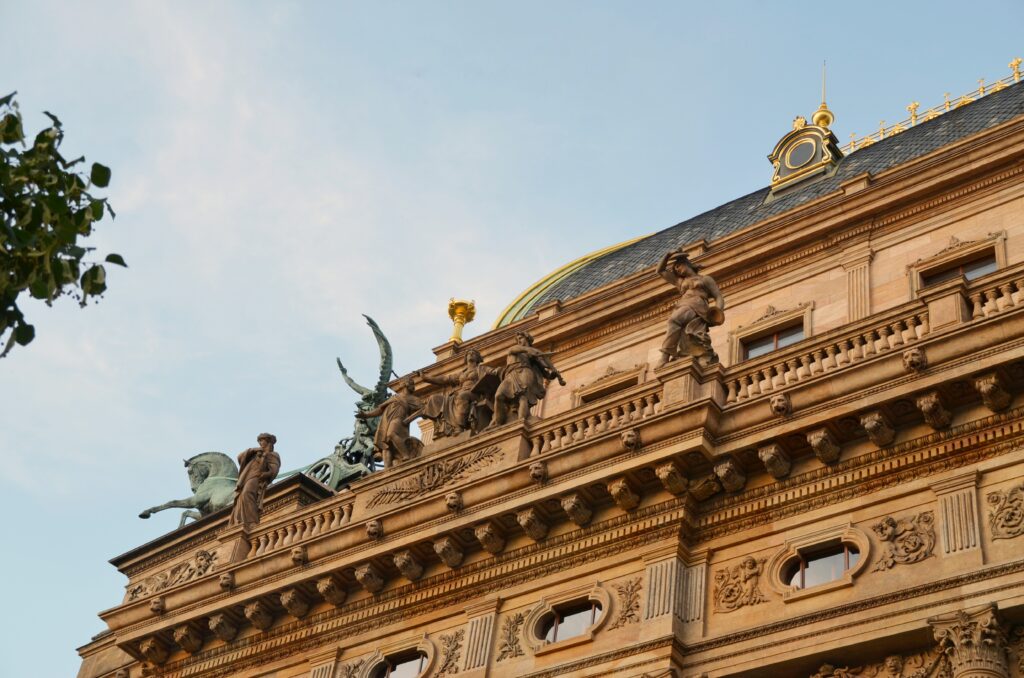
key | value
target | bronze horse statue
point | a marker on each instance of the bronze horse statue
(213, 476)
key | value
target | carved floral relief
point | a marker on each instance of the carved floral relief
(451, 650)
(1006, 512)
(629, 603)
(509, 644)
(193, 568)
(435, 476)
(351, 670)
(905, 540)
(930, 664)
(738, 586)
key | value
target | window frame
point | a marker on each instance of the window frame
(771, 321)
(956, 253)
(396, 649)
(808, 544)
(808, 555)
(594, 593)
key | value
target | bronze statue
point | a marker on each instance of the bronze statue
(358, 449)
(212, 476)
(523, 379)
(392, 440)
(468, 404)
(687, 331)
(258, 466)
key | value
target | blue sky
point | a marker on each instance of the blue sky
(281, 168)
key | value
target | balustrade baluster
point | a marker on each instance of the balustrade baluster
(990, 302)
(829, 363)
(805, 367)
(896, 335)
(732, 388)
(976, 309)
(1005, 299)
(1018, 295)
(779, 380)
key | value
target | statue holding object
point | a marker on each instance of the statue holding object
(469, 403)
(258, 466)
(523, 380)
(687, 331)
(392, 440)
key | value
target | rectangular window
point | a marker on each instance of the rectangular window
(969, 269)
(780, 338)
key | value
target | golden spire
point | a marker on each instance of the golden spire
(823, 117)
(461, 312)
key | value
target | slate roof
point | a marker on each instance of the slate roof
(923, 138)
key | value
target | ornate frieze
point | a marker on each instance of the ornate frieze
(509, 644)
(1006, 512)
(435, 476)
(928, 664)
(739, 585)
(628, 594)
(193, 568)
(351, 669)
(905, 540)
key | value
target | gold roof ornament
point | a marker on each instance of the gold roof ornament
(947, 105)
(823, 117)
(461, 312)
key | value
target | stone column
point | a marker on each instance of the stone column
(958, 515)
(974, 642)
(482, 617)
(857, 264)
(674, 588)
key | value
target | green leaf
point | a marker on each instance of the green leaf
(24, 333)
(116, 259)
(94, 280)
(100, 175)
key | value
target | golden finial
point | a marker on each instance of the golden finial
(461, 312)
(799, 122)
(823, 117)
(912, 109)
(981, 87)
(946, 104)
(1015, 67)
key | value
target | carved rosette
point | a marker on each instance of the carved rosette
(974, 642)
(1006, 512)
(738, 586)
(905, 540)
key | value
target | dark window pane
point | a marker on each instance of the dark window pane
(790, 335)
(407, 668)
(574, 624)
(758, 347)
(980, 267)
(823, 569)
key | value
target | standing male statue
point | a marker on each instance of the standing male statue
(523, 379)
(258, 466)
(392, 439)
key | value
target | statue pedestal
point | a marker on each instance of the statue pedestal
(237, 541)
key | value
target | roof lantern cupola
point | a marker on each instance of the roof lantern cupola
(808, 150)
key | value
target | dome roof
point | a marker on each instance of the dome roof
(619, 261)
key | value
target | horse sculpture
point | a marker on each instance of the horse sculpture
(213, 476)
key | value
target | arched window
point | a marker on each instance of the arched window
(820, 565)
(409, 664)
(569, 620)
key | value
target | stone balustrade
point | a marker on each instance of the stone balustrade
(583, 423)
(828, 353)
(995, 294)
(301, 529)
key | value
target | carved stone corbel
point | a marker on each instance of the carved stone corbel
(672, 478)
(705, 488)
(369, 577)
(630, 440)
(188, 637)
(993, 391)
(775, 460)
(294, 602)
(259, 615)
(538, 472)
(223, 627)
(490, 537)
(331, 590)
(730, 475)
(577, 508)
(824, 445)
(449, 551)
(973, 641)
(153, 649)
(374, 529)
(880, 430)
(623, 493)
(533, 523)
(934, 410)
(408, 565)
(299, 556)
(157, 605)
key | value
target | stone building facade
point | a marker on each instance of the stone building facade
(840, 494)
